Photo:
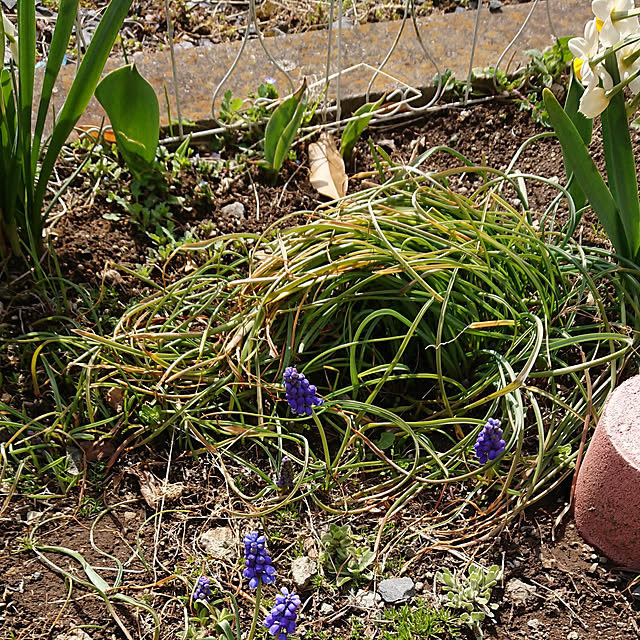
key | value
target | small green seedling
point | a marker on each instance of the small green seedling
(471, 594)
(354, 129)
(343, 558)
(282, 129)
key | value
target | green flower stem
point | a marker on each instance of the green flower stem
(256, 613)
(325, 445)
(621, 15)
(609, 51)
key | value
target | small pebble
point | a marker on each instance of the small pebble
(573, 635)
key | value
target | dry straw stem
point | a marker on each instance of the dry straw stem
(417, 312)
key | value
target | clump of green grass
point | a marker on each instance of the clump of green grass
(417, 312)
(420, 620)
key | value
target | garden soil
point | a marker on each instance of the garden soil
(555, 587)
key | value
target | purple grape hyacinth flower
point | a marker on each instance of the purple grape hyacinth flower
(259, 567)
(301, 395)
(285, 477)
(203, 590)
(282, 619)
(489, 444)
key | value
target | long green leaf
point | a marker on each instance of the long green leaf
(582, 166)
(354, 129)
(3, 36)
(585, 129)
(620, 162)
(82, 89)
(26, 71)
(10, 180)
(132, 107)
(59, 43)
(282, 128)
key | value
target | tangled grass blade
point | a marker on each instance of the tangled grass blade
(418, 313)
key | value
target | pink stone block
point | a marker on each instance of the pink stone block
(607, 496)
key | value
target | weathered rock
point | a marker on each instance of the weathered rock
(396, 590)
(366, 599)
(326, 609)
(607, 499)
(218, 542)
(302, 570)
(235, 209)
(519, 593)
(74, 634)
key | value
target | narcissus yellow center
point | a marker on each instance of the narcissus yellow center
(577, 67)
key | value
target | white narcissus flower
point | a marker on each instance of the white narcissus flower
(593, 102)
(10, 35)
(628, 68)
(585, 49)
(612, 32)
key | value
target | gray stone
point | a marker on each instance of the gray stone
(218, 542)
(495, 5)
(573, 635)
(326, 609)
(366, 599)
(519, 593)
(235, 209)
(74, 634)
(302, 570)
(396, 590)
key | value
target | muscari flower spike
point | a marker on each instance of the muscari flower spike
(301, 395)
(282, 619)
(489, 444)
(285, 477)
(259, 567)
(203, 589)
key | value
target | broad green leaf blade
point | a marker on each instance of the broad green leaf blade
(26, 62)
(282, 128)
(82, 88)
(620, 162)
(26, 71)
(354, 129)
(10, 175)
(581, 164)
(3, 37)
(585, 129)
(132, 107)
(59, 43)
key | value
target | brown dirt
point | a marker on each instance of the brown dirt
(578, 596)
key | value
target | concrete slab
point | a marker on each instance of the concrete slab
(607, 496)
(447, 37)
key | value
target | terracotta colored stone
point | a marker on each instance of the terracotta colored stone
(607, 497)
(447, 37)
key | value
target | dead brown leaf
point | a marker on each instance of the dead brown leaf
(327, 173)
(153, 490)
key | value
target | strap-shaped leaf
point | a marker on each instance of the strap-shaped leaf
(26, 69)
(581, 164)
(82, 88)
(620, 162)
(132, 107)
(59, 43)
(282, 128)
(354, 129)
(585, 129)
